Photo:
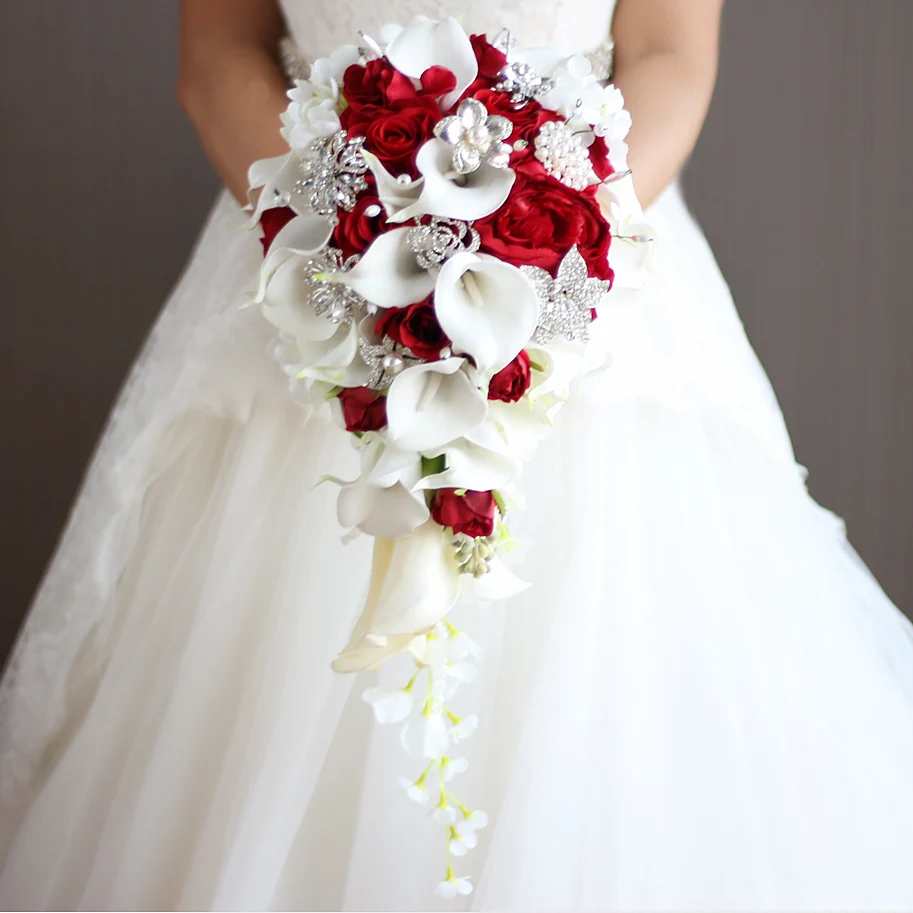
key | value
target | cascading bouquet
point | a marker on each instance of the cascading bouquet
(438, 240)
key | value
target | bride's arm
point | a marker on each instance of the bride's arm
(230, 84)
(666, 55)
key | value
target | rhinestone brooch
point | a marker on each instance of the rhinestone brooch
(435, 243)
(476, 137)
(566, 303)
(521, 80)
(332, 174)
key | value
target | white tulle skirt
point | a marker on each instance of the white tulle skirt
(704, 701)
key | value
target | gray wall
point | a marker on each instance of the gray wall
(801, 181)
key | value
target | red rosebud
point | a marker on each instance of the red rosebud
(376, 84)
(357, 230)
(541, 221)
(363, 409)
(511, 382)
(491, 61)
(416, 327)
(272, 221)
(472, 513)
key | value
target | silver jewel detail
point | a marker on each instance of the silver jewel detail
(332, 174)
(333, 300)
(435, 243)
(564, 156)
(476, 137)
(524, 84)
(474, 554)
(566, 302)
(386, 361)
(504, 41)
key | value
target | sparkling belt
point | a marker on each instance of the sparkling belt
(296, 66)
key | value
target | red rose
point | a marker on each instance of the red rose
(510, 383)
(357, 229)
(599, 158)
(394, 135)
(376, 84)
(272, 221)
(363, 409)
(491, 61)
(415, 326)
(472, 513)
(541, 221)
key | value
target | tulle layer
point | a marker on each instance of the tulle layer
(704, 702)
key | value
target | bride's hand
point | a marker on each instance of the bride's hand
(230, 83)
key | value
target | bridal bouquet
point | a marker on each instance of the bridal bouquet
(439, 238)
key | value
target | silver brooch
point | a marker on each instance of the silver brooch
(333, 300)
(385, 361)
(476, 137)
(332, 174)
(564, 156)
(435, 243)
(566, 302)
(521, 80)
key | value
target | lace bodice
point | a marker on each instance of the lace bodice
(318, 26)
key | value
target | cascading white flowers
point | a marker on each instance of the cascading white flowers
(450, 216)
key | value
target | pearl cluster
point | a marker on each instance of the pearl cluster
(564, 156)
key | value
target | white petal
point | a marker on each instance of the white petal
(427, 43)
(460, 646)
(445, 815)
(499, 583)
(476, 821)
(477, 194)
(453, 766)
(480, 460)
(388, 274)
(447, 889)
(395, 195)
(431, 404)
(287, 306)
(427, 736)
(390, 706)
(333, 360)
(464, 886)
(463, 672)
(415, 582)
(388, 513)
(464, 729)
(487, 308)
(302, 235)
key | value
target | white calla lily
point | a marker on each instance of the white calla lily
(334, 360)
(287, 306)
(386, 512)
(480, 460)
(433, 403)
(488, 308)
(303, 235)
(415, 582)
(388, 273)
(394, 194)
(633, 242)
(427, 43)
(473, 196)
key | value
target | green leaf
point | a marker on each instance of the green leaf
(434, 465)
(499, 500)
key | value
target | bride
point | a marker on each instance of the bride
(705, 701)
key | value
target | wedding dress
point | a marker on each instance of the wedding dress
(704, 701)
